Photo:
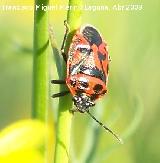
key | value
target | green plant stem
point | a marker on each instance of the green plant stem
(65, 104)
(40, 66)
(40, 62)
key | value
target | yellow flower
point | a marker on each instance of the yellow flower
(25, 141)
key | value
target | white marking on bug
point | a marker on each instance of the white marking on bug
(82, 46)
(84, 58)
(76, 68)
(87, 71)
(82, 79)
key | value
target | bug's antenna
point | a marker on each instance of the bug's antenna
(106, 128)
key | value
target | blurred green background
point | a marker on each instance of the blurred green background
(132, 106)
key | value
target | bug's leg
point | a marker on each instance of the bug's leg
(58, 81)
(64, 40)
(60, 94)
(52, 39)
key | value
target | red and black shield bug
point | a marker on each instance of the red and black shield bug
(87, 70)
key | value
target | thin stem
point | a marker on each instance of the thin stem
(40, 62)
(65, 103)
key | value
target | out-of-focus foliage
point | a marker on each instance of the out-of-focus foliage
(133, 39)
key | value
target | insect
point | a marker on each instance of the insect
(87, 69)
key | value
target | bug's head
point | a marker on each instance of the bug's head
(82, 102)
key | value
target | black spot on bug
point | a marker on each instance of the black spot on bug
(104, 92)
(80, 91)
(94, 97)
(93, 71)
(84, 84)
(97, 88)
(83, 50)
(92, 35)
(73, 83)
(101, 56)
